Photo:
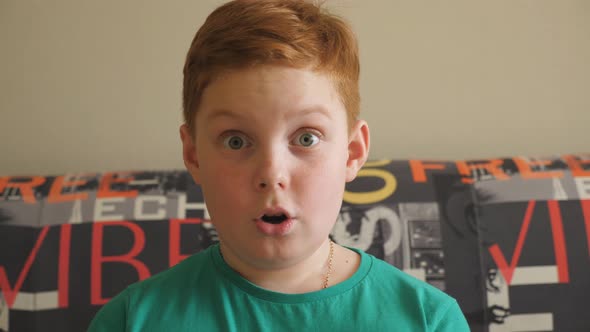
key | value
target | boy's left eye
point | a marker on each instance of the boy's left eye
(307, 139)
(235, 142)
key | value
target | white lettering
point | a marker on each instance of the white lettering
(583, 186)
(140, 214)
(101, 207)
(183, 206)
(76, 216)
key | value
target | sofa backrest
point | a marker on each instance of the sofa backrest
(509, 238)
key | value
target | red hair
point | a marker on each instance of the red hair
(294, 33)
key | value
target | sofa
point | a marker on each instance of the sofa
(509, 238)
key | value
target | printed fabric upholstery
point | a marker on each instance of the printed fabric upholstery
(509, 238)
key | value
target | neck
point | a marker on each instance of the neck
(302, 276)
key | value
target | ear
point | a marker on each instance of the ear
(189, 152)
(358, 149)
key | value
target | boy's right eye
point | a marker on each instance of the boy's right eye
(234, 142)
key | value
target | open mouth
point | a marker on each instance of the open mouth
(274, 219)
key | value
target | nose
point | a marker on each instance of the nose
(271, 171)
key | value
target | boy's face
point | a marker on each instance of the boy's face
(272, 153)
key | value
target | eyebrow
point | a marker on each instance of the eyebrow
(314, 110)
(220, 113)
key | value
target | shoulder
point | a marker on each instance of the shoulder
(417, 299)
(386, 275)
(188, 267)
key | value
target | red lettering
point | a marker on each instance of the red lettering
(492, 166)
(55, 193)
(26, 188)
(63, 276)
(9, 292)
(97, 259)
(558, 241)
(506, 270)
(577, 165)
(419, 168)
(104, 188)
(558, 244)
(174, 255)
(586, 212)
(524, 167)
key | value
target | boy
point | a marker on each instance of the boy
(271, 134)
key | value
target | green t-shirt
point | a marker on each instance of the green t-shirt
(202, 293)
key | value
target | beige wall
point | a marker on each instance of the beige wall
(95, 85)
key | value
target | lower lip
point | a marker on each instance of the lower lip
(275, 229)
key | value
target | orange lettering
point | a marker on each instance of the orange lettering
(576, 165)
(524, 167)
(55, 193)
(492, 166)
(104, 189)
(419, 169)
(26, 188)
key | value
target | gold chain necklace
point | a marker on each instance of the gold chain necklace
(330, 261)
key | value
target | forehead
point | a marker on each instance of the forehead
(268, 90)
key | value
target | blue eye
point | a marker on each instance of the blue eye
(234, 142)
(307, 139)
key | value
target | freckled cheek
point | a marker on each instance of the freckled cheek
(227, 204)
(320, 206)
(322, 186)
(224, 187)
